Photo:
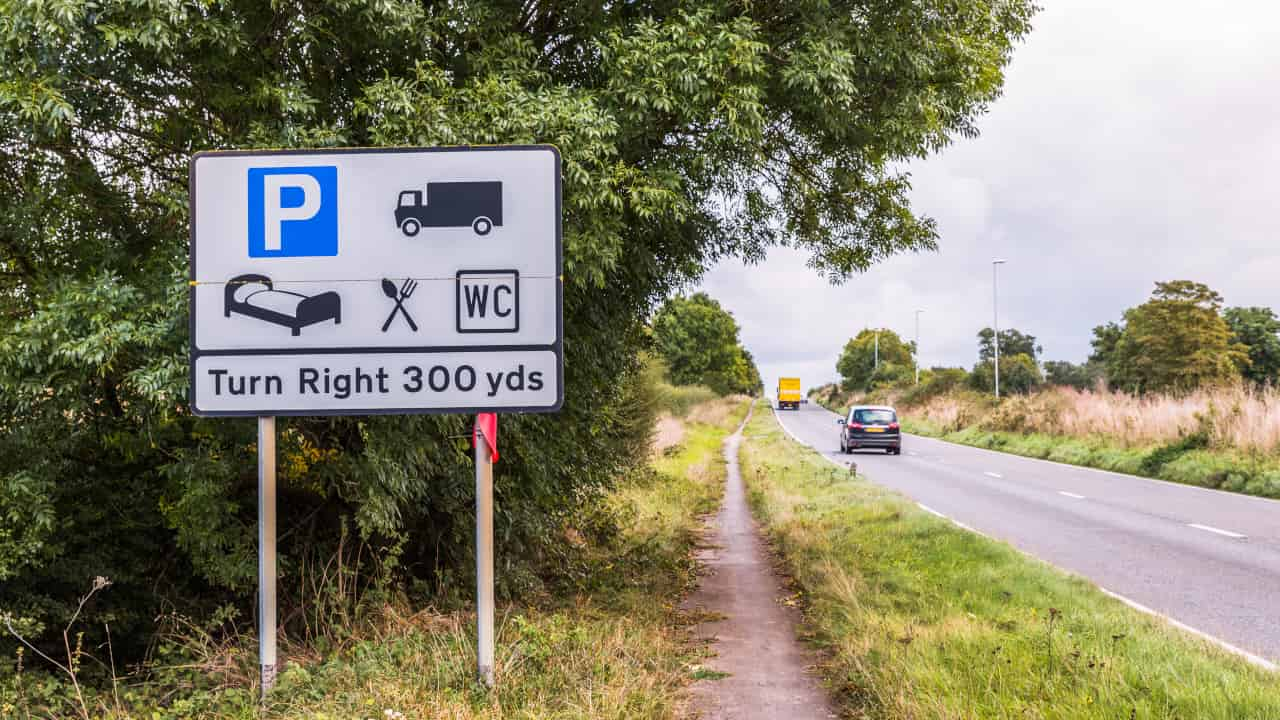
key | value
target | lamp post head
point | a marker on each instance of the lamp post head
(999, 261)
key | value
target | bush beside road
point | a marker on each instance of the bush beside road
(608, 643)
(921, 619)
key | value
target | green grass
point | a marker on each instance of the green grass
(919, 619)
(616, 649)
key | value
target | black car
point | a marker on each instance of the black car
(870, 426)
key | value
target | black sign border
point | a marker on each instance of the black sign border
(557, 347)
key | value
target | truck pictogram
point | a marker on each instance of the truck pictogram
(477, 204)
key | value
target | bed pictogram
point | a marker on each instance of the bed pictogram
(255, 296)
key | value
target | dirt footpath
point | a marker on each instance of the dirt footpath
(752, 634)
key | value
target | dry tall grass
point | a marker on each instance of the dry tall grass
(718, 412)
(1238, 416)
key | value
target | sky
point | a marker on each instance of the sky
(1135, 142)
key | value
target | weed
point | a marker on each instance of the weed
(610, 645)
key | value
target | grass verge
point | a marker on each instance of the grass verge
(920, 619)
(615, 648)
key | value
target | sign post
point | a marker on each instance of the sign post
(267, 551)
(484, 558)
(376, 281)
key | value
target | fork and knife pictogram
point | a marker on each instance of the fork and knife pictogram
(399, 295)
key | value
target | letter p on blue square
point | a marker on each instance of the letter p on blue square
(293, 211)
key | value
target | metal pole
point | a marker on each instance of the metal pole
(877, 364)
(267, 551)
(484, 561)
(918, 346)
(995, 322)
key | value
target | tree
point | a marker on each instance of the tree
(1012, 342)
(1019, 374)
(749, 381)
(1175, 342)
(689, 134)
(1105, 339)
(857, 362)
(698, 341)
(1084, 376)
(1258, 330)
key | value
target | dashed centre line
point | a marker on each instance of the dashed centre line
(1071, 495)
(1218, 531)
(995, 475)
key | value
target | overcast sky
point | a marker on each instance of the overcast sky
(1136, 141)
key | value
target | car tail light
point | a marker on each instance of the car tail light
(893, 426)
(855, 426)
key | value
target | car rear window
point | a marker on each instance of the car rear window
(874, 417)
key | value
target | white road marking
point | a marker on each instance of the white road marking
(1248, 656)
(995, 475)
(1217, 531)
(931, 511)
(786, 429)
(836, 462)
(913, 453)
(1071, 495)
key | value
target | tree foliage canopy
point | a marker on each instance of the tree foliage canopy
(1175, 342)
(1018, 374)
(698, 340)
(1012, 342)
(857, 363)
(1105, 339)
(689, 131)
(1084, 376)
(1258, 329)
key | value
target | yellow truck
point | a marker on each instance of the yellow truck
(788, 393)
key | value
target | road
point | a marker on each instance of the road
(1205, 558)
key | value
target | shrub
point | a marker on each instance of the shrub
(1018, 374)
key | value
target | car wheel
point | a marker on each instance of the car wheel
(482, 225)
(410, 227)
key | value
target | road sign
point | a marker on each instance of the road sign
(350, 282)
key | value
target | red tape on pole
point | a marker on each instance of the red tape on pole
(487, 425)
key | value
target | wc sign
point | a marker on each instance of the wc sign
(489, 302)
(351, 282)
(293, 212)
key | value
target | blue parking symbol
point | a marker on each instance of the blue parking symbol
(293, 211)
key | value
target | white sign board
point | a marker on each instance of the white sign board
(369, 281)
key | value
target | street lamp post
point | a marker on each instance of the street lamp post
(995, 311)
(918, 346)
(876, 365)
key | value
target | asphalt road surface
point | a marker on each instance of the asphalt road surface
(1207, 559)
